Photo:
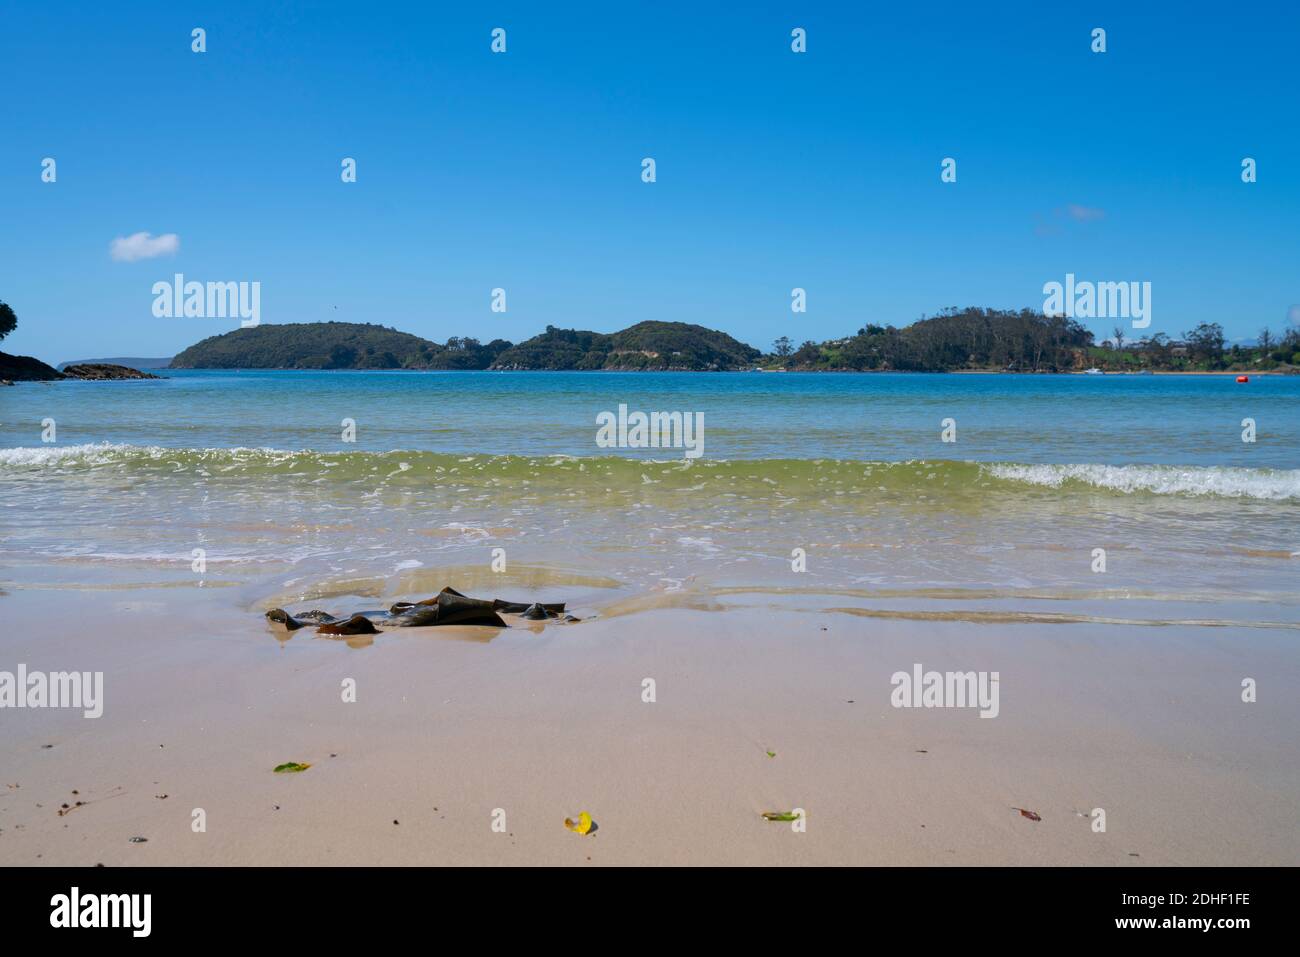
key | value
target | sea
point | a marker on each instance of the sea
(998, 499)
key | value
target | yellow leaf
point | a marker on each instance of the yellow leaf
(581, 826)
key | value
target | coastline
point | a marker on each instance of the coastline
(386, 528)
(771, 598)
(710, 372)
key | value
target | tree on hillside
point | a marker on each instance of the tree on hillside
(807, 353)
(1206, 341)
(1161, 346)
(1119, 338)
(1265, 339)
(7, 319)
(782, 346)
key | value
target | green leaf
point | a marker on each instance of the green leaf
(780, 816)
(291, 767)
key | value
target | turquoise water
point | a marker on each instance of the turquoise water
(851, 470)
(1180, 420)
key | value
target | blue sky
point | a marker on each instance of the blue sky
(522, 170)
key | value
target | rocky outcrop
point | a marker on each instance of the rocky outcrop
(131, 362)
(103, 370)
(26, 369)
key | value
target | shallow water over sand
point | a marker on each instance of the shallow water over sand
(809, 485)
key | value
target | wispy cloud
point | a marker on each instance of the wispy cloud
(143, 246)
(1084, 214)
(1058, 221)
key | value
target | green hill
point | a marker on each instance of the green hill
(349, 345)
(557, 349)
(644, 346)
(333, 345)
(969, 338)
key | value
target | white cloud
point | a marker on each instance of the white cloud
(143, 246)
(1085, 214)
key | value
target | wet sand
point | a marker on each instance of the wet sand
(450, 724)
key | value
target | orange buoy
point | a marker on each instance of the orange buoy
(1243, 378)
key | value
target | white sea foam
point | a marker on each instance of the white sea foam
(108, 453)
(53, 454)
(1274, 485)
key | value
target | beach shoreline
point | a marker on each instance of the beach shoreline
(451, 726)
(1121, 559)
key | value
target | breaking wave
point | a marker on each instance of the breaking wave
(1276, 485)
(774, 477)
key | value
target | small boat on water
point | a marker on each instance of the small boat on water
(1093, 371)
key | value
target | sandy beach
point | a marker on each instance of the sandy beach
(543, 722)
